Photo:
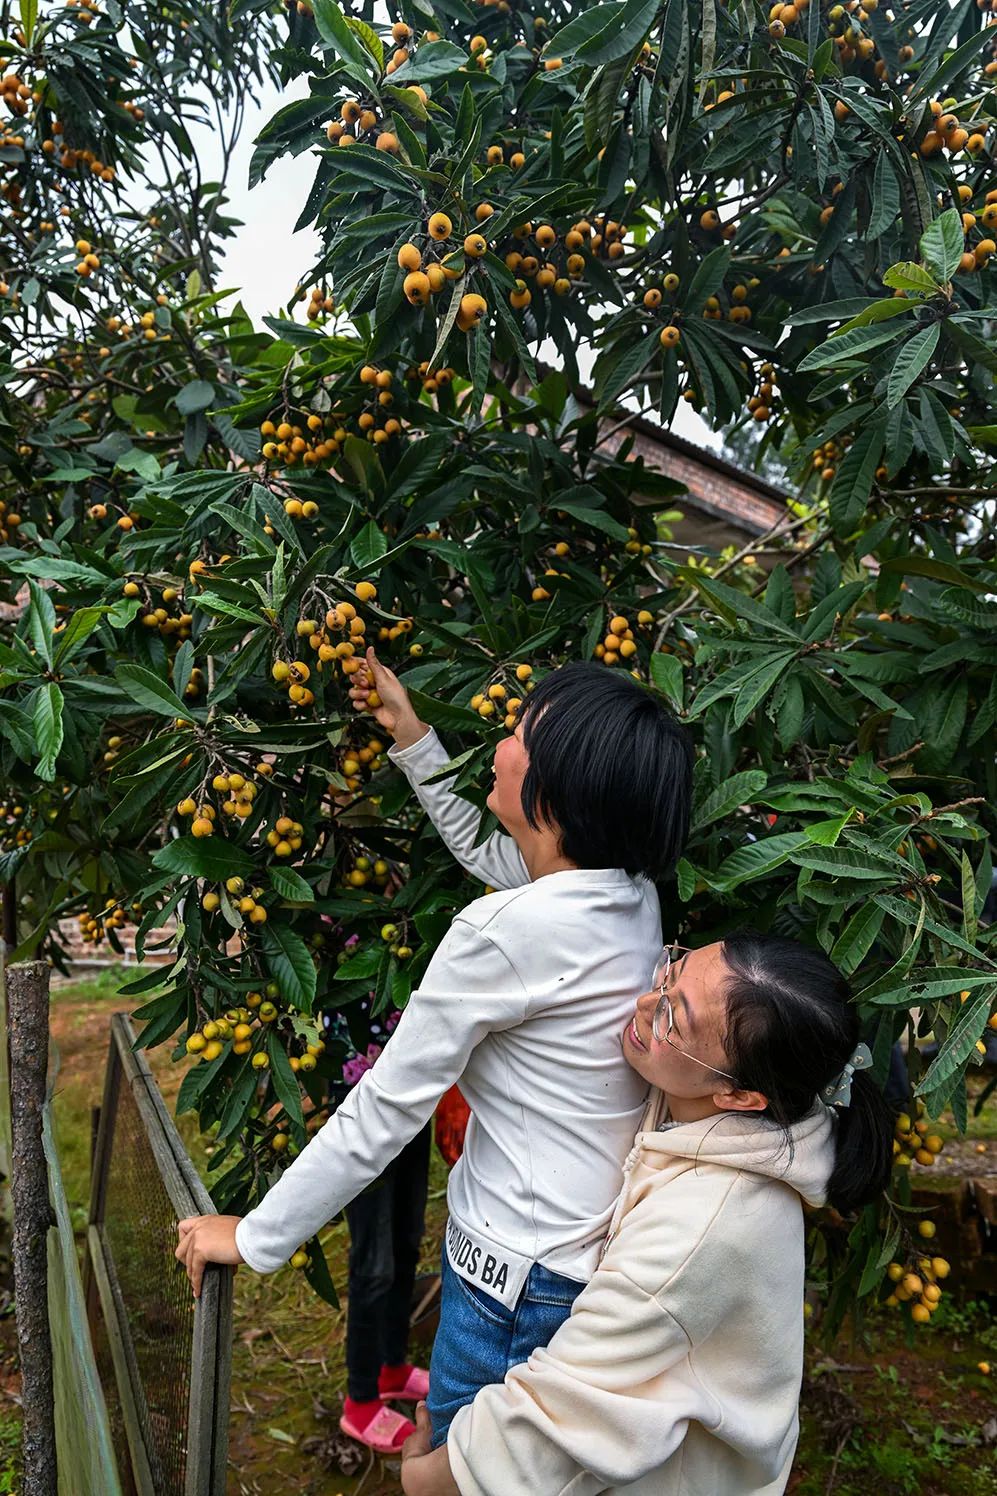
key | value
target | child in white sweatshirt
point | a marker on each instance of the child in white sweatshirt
(522, 1004)
(678, 1372)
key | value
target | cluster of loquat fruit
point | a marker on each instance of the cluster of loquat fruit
(496, 698)
(620, 642)
(394, 940)
(913, 1141)
(94, 927)
(357, 759)
(13, 831)
(825, 458)
(845, 24)
(978, 226)
(917, 1283)
(431, 380)
(286, 443)
(359, 120)
(169, 625)
(340, 618)
(144, 326)
(947, 134)
(241, 899)
(239, 792)
(362, 871)
(9, 521)
(319, 301)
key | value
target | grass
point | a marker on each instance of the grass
(881, 1414)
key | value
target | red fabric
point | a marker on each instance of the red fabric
(452, 1113)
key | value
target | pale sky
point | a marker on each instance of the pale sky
(266, 259)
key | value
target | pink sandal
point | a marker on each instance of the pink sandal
(381, 1433)
(415, 1389)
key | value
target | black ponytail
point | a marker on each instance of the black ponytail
(791, 1029)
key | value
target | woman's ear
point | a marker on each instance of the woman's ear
(740, 1101)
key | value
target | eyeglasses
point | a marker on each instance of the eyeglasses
(663, 1022)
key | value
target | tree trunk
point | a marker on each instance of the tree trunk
(27, 1017)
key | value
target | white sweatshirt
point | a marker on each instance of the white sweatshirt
(678, 1372)
(523, 1003)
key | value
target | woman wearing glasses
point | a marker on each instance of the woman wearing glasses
(678, 1372)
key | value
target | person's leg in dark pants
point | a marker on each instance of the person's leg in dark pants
(372, 1271)
(408, 1187)
(385, 1225)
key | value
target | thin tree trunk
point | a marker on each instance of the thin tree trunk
(27, 1017)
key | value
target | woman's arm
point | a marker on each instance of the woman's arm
(469, 990)
(419, 753)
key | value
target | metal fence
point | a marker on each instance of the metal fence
(164, 1360)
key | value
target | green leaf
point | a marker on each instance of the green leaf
(335, 34)
(668, 677)
(756, 860)
(291, 885)
(29, 15)
(210, 602)
(367, 548)
(942, 244)
(740, 789)
(853, 481)
(587, 514)
(369, 37)
(285, 1082)
(442, 714)
(149, 692)
(960, 1043)
(207, 857)
(906, 276)
(41, 621)
(77, 631)
(240, 1099)
(758, 687)
(183, 664)
(635, 355)
(911, 361)
(709, 277)
(877, 311)
(47, 721)
(857, 938)
(885, 197)
(603, 33)
(841, 347)
(195, 396)
(291, 962)
(939, 571)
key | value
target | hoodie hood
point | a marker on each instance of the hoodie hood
(801, 1156)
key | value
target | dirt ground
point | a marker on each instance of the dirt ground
(878, 1414)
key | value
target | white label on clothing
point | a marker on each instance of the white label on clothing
(495, 1270)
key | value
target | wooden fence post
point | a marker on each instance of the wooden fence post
(27, 1021)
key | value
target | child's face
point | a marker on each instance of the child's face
(510, 766)
(685, 1061)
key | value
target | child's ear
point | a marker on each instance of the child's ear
(740, 1101)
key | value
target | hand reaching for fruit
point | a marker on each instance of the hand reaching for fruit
(392, 709)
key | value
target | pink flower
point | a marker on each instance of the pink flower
(354, 1069)
(392, 1021)
(373, 1050)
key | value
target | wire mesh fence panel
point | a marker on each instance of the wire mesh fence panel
(168, 1356)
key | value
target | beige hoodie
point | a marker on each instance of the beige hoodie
(678, 1372)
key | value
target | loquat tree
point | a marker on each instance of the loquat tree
(783, 217)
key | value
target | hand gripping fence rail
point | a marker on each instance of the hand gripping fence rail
(164, 1360)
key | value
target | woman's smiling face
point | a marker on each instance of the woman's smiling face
(687, 1062)
(505, 799)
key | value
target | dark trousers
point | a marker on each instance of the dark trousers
(386, 1225)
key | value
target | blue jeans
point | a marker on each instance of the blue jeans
(479, 1339)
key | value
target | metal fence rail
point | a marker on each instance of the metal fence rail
(164, 1360)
